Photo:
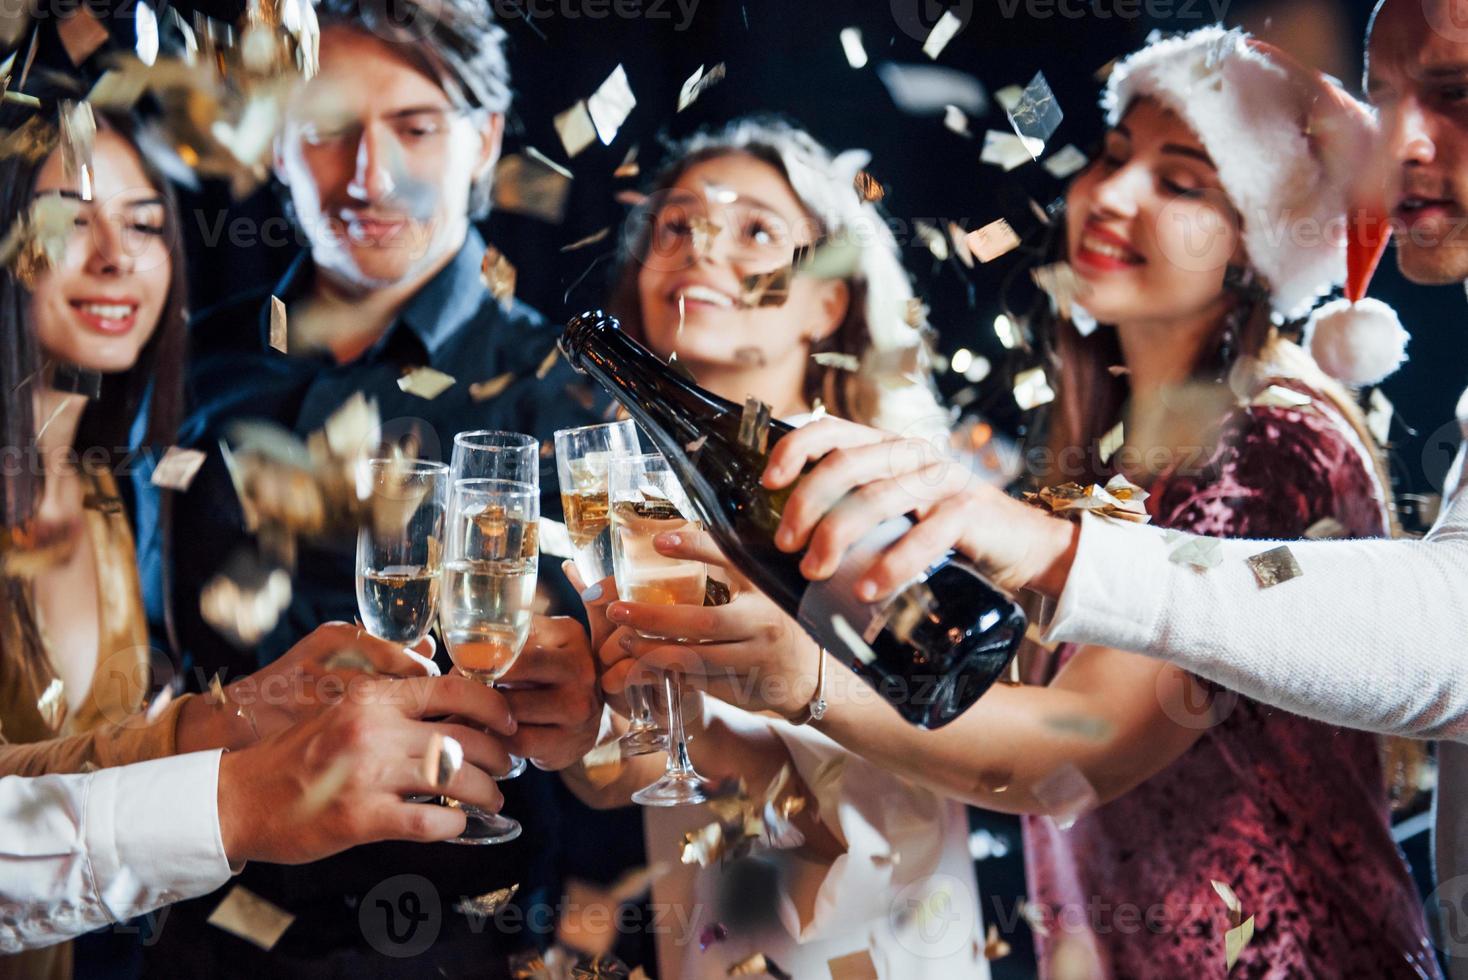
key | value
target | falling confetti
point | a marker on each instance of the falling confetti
(948, 25)
(1120, 499)
(1059, 281)
(1007, 150)
(575, 128)
(853, 966)
(611, 104)
(251, 917)
(698, 83)
(955, 120)
(498, 276)
(868, 188)
(628, 167)
(1067, 161)
(177, 469)
(532, 184)
(426, 382)
(52, 704)
(279, 332)
(856, 52)
(1036, 115)
(756, 965)
(1112, 441)
(547, 362)
(603, 764)
(1201, 553)
(589, 240)
(1274, 567)
(995, 948)
(995, 239)
(837, 360)
(484, 906)
(754, 425)
(484, 390)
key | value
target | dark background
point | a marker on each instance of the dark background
(785, 56)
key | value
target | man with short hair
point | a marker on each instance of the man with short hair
(387, 157)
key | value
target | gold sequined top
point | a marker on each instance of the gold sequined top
(108, 728)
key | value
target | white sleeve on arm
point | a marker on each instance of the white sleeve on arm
(1373, 635)
(81, 851)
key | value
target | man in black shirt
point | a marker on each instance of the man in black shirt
(387, 156)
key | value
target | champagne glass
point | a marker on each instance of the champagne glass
(488, 592)
(646, 501)
(400, 546)
(582, 456)
(490, 454)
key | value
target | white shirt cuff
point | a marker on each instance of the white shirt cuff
(1117, 588)
(152, 833)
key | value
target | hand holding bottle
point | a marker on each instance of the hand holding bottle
(863, 476)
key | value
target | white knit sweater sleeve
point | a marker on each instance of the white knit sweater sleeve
(1373, 635)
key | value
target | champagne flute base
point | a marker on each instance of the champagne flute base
(682, 790)
(483, 827)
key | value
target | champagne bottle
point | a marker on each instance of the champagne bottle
(931, 651)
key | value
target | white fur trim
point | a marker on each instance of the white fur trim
(1358, 343)
(1248, 114)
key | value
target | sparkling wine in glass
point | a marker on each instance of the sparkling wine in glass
(487, 599)
(491, 454)
(646, 500)
(400, 547)
(582, 457)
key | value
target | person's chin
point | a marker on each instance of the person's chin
(1438, 265)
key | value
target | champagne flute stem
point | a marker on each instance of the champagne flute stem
(641, 713)
(678, 762)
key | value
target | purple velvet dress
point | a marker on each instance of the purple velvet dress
(1291, 813)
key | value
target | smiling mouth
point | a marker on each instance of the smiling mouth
(107, 317)
(1414, 204)
(1109, 250)
(705, 294)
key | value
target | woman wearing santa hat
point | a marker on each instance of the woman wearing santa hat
(1217, 212)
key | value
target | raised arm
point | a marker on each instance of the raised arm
(1373, 636)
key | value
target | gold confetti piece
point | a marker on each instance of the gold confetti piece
(955, 121)
(498, 276)
(1235, 940)
(610, 105)
(216, 691)
(1036, 115)
(603, 764)
(701, 233)
(1059, 281)
(37, 240)
(426, 382)
(1009, 97)
(703, 846)
(851, 46)
(78, 135)
(1066, 162)
(753, 966)
(177, 469)
(1325, 528)
(766, 288)
(995, 239)
(628, 167)
(1032, 389)
(120, 88)
(442, 762)
(1094, 729)
(1274, 567)
(932, 237)
(853, 966)
(754, 425)
(948, 25)
(486, 905)
(959, 238)
(580, 243)
(244, 603)
(278, 330)
(698, 83)
(1203, 553)
(837, 360)
(1035, 917)
(484, 390)
(1007, 151)
(533, 185)
(52, 704)
(995, 948)
(575, 128)
(547, 362)
(251, 917)
(1112, 441)
(1230, 899)
(602, 966)
(321, 791)
(856, 644)
(1066, 794)
(1379, 412)
(1278, 396)
(696, 445)
(868, 188)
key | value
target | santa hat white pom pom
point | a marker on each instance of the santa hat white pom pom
(1359, 343)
